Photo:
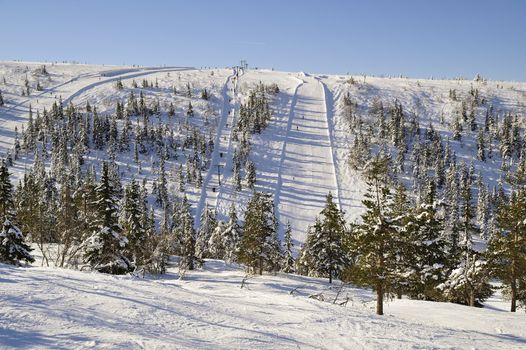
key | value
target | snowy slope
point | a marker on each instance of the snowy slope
(300, 156)
(46, 308)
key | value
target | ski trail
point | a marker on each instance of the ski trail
(119, 77)
(307, 172)
(279, 184)
(328, 103)
(228, 159)
(208, 182)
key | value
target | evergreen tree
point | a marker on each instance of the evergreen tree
(289, 262)
(183, 233)
(104, 250)
(231, 236)
(256, 245)
(507, 248)
(326, 245)
(207, 226)
(6, 193)
(251, 175)
(376, 237)
(131, 220)
(13, 248)
(190, 110)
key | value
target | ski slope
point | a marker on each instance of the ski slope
(47, 308)
(306, 172)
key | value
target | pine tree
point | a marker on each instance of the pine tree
(231, 236)
(104, 250)
(183, 234)
(13, 248)
(190, 110)
(6, 193)
(256, 245)
(326, 245)
(376, 237)
(206, 229)
(131, 220)
(69, 224)
(289, 262)
(481, 148)
(507, 248)
(468, 282)
(251, 175)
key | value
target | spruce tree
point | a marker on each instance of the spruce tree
(256, 245)
(327, 244)
(13, 248)
(207, 226)
(289, 262)
(376, 237)
(507, 248)
(105, 250)
(231, 236)
(131, 220)
(251, 175)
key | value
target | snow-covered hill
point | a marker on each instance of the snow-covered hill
(301, 155)
(47, 308)
(321, 133)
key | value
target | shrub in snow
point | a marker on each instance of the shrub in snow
(13, 249)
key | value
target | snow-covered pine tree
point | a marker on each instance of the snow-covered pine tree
(216, 249)
(288, 259)
(232, 236)
(190, 110)
(468, 282)
(105, 249)
(69, 225)
(423, 252)
(131, 220)
(506, 252)
(256, 245)
(376, 241)
(13, 248)
(6, 193)
(206, 228)
(183, 236)
(251, 174)
(326, 246)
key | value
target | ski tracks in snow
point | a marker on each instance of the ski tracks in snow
(307, 170)
(217, 154)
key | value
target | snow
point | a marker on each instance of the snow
(300, 157)
(44, 308)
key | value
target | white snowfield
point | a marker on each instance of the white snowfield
(47, 308)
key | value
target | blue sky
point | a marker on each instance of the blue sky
(441, 38)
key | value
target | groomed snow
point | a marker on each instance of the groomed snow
(47, 308)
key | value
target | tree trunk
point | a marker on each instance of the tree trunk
(330, 276)
(513, 286)
(260, 265)
(513, 297)
(379, 300)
